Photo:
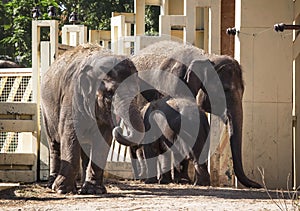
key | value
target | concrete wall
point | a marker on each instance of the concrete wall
(296, 85)
(266, 59)
(176, 7)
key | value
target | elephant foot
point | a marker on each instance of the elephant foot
(185, 179)
(181, 178)
(51, 181)
(166, 178)
(203, 179)
(151, 180)
(182, 181)
(89, 188)
(62, 185)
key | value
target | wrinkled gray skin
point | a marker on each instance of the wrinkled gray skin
(76, 101)
(178, 58)
(176, 111)
(175, 127)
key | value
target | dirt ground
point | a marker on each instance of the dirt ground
(134, 195)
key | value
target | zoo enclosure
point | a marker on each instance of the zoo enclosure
(271, 130)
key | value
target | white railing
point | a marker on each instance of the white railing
(16, 86)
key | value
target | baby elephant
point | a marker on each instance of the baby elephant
(179, 125)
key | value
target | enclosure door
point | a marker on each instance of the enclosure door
(266, 59)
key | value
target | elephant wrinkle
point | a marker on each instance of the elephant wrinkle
(216, 81)
(79, 86)
(177, 137)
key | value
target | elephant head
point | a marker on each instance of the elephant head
(230, 74)
(117, 91)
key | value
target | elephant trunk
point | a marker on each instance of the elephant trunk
(236, 120)
(134, 128)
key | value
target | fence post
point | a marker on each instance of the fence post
(37, 62)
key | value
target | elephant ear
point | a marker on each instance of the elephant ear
(196, 76)
(174, 66)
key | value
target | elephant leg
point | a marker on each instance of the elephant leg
(201, 153)
(176, 171)
(165, 164)
(138, 162)
(93, 183)
(180, 166)
(142, 163)
(181, 172)
(134, 162)
(85, 150)
(69, 163)
(151, 155)
(202, 176)
(54, 148)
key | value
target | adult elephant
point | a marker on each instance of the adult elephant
(179, 125)
(185, 61)
(77, 94)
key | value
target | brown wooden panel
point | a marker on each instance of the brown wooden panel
(227, 21)
(121, 170)
(18, 108)
(18, 176)
(18, 126)
(17, 159)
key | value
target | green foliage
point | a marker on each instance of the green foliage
(16, 17)
(16, 28)
(152, 20)
(95, 14)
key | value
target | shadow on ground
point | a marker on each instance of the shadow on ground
(39, 192)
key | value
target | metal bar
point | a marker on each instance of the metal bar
(14, 89)
(280, 27)
(27, 92)
(15, 70)
(2, 84)
(7, 142)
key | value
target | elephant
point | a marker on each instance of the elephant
(175, 126)
(186, 62)
(79, 104)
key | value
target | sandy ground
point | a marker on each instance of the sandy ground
(134, 195)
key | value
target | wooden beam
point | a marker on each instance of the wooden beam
(4, 186)
(153, 2)
(178, 20)
(296, 47)
(129, 17)
(18, 126)
(17, 108)
(18, 117)
(118, 170)
(296, 9)
(18, 176)
(26, 159)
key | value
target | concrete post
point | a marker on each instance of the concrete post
(139, 10)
